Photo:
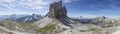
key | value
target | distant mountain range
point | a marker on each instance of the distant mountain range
(30, 18)
(21, 18)
(57, 21)
(105, 22)
(99, 21)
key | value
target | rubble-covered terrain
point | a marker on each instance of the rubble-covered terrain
(57, 22)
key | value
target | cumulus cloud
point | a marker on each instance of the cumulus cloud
(40, 6)
(69, 1)
(7, 1)
(34, 4)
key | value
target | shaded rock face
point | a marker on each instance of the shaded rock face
(57, 10)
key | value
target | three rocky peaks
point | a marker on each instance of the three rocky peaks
(57, 10)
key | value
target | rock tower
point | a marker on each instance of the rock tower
(57, 10)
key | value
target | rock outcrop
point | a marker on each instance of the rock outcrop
(57, 13)
(105, 22)
(57, 10)
(56, 20)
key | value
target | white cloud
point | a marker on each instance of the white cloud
(7, 6)
(14, 12)
(35, 4)
(42, 5)
(7, 1)
(69, 1)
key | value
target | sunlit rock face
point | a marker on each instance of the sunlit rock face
(57, 10)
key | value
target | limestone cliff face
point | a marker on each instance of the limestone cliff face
(57, 10)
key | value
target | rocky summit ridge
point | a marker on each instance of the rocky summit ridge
(59, 12)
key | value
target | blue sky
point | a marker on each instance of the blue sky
(75, 8)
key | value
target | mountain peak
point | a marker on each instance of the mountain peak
(57, 10)
(57, 14)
